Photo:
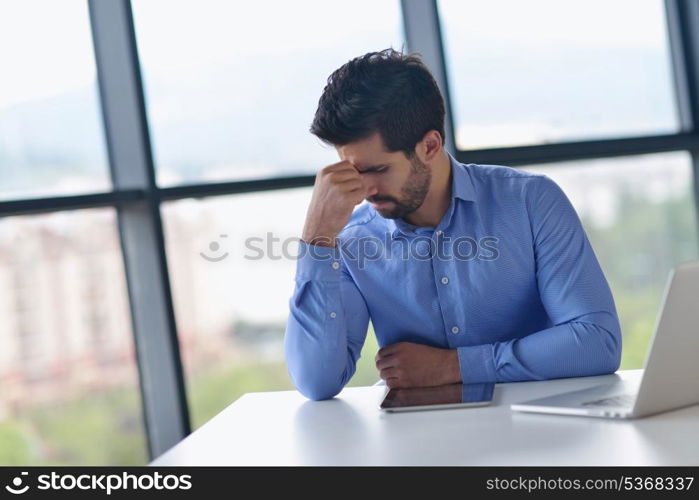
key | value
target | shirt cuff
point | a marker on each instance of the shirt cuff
(316, 262)
(476, 364)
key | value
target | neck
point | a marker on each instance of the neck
(438, 196)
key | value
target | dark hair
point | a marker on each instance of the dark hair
(387, 91)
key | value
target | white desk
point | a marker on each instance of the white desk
(284, 428)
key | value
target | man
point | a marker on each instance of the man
(469, 273)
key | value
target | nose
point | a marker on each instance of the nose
(371, 190)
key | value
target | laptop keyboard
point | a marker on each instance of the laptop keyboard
(620, 400)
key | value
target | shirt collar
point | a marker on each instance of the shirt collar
(461, 182)
(461, 187)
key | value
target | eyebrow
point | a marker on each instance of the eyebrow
(373, 168)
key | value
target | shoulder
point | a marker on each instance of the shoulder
(502, 174)
(484, 171)
(509, 180)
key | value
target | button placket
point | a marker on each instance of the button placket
(444, 292)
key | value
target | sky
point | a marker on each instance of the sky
(45, 49)
(45, 45)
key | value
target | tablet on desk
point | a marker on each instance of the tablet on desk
(438, 398)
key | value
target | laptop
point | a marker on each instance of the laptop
(671, 374)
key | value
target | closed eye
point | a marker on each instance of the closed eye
(375, 170)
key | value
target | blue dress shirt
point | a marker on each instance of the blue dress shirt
(507, 278)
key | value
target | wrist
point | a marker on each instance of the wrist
(453, 368)
(321, 241)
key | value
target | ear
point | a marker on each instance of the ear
(429, 146)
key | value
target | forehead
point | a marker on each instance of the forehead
(368, 152)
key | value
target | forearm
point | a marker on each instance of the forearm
(326, 327)
(590, 345)
(315, 345)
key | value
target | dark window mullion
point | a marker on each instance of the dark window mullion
(140, 226)
(683, 33)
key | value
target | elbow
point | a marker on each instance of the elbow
(318, 393)
(314, 388)
(614, 361)
(609, 362)
(615, 355)
(612, 343)
(315, 371)
(606, 354)
(311, 377)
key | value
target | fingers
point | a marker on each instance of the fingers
(340, 166)
(389, 350)
(394, 383)
(346, 181)
(394, 376)
(389, 372)
(337, 173)
(387, 362)
(391, 377)
(351, 186)
(340, 176)
(358, 191)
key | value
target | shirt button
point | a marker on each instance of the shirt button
(454, 329)
(333, 314)
(445, 280)
(336, 265)
(439, 233)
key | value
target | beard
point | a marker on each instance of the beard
(413, 192)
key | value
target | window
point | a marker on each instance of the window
(234, 98)
(69, 380)
(545, 71)
(51, 139)
(639, 215)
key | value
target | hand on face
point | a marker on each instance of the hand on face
(338, 188)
